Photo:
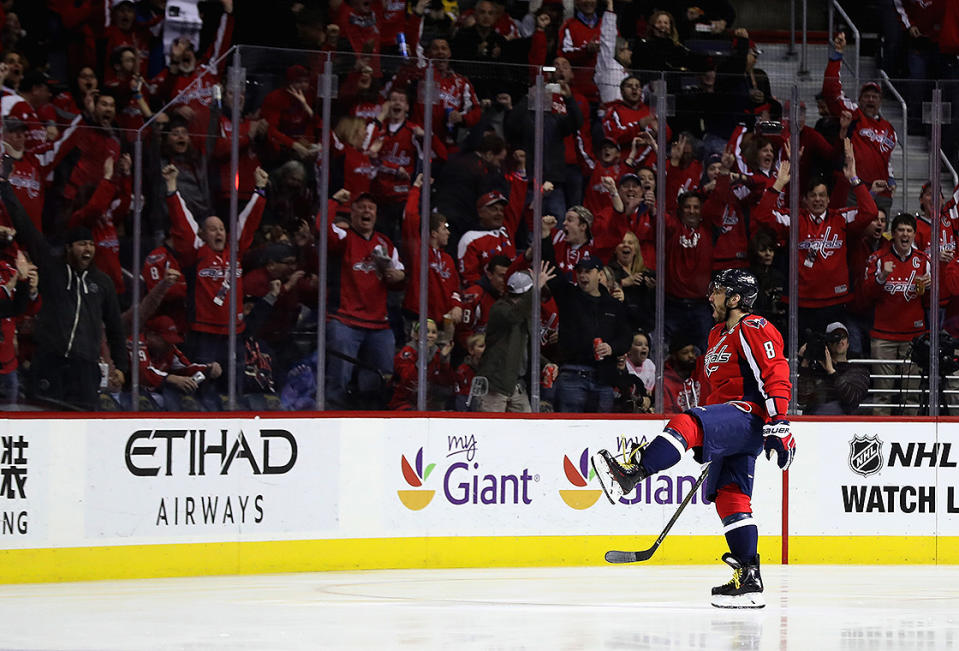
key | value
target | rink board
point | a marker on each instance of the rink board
(194, 494)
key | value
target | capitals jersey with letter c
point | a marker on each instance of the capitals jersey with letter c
(747, 364)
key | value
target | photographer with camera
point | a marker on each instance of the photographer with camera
(828, 383)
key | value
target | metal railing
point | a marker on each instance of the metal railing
(903, 135)
(857, 36)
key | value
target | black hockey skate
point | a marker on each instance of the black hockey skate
(746, 588)
(617, 479)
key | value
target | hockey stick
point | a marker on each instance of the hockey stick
(614, 556)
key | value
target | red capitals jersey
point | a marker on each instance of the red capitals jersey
(900, 315)
(680, 180)
(477, 300)
(823, 244)
(154, 269)
(286, 114)
(567, 255)
(362, 30)
(596, 197)
(948, 226)
(443, 283)
(574, 36)
(746, 364)
(476, 248)
(723, 208)
(36, 129)
(689, 259)
(873, 139)
(405, 376)
(622, 123)
(362, 290)
(400, 151)
(154, 370)
(211, 282)
(8, 301)
(29, 173)
(607, 230)
(924, 15)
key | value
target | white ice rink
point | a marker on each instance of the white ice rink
(629, 607)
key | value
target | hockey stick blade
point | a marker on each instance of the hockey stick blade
(614, 556)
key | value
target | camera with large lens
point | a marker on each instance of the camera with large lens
(948, 353)
(816, 343)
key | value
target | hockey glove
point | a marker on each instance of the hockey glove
(779, 439)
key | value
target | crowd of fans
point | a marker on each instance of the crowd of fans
(67, 180)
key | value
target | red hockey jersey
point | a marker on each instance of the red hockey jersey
(443, 283)
(823, 244)
(211, 286)
(746, 364)
(900, 315)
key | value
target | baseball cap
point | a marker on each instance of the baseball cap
(166, 328)
(589, 263)
(609, 141)
(836, 325)
(79, 234)
(296, 72)
(14, 124)
(871, 85)
(490, 198)
(629, 176)
(519, 283)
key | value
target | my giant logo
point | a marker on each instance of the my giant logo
(415, 500)
(580, 477)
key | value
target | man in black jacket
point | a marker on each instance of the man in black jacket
(593, 333)
(79, 301)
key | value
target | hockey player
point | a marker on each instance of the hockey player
(744, 413)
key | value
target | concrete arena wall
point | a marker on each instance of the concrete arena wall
(200, 494)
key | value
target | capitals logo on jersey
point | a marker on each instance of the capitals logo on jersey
(718, 354)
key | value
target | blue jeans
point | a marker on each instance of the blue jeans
(9, 388)
(578, 392)
(374, 348)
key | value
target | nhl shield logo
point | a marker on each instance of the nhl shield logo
(865, 455)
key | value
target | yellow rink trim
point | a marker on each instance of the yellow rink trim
(149, 561)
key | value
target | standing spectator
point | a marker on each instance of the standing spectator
(79, 303)
(505, 362)
(289, 113)
(399, 156)
(108, 205)
(156, 265)
(771, 280)
(897, 279)
(824, 235)
(689, 264)
(660, 50)
(638, 283)
(873, 137)
(35, 89)
(19, 295)
(579, 42)
(30, 170)
(561, 121)
(571, 242)
(628, 118)
(725, 191)
(444, 303)
(440, 378)
(479, 297)
(466, 177)
(493, 238)
(611, 60)
(366, 264)
(593, 333)
(481, 43)
(96, 140)
(201, 245)
(684, 170)
(831, 385)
